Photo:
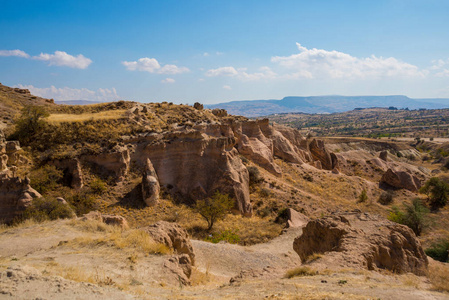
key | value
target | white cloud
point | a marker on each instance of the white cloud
(206, 54)
(201, 79)
(61, 58)
(440, 68)
(227, 87)
(16, 52)
(219, 53)
(316, 63)
(151, 65)
(168, 80)
(66, 93)
(265, 72)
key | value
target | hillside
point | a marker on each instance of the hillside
(134, 180)
(325, 104)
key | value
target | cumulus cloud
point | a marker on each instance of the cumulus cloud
(168, 80)
(151, 65)
(227, 87)
(61, 58)
(316, 63)
(66, 93)
(16, 52)
(264, 73)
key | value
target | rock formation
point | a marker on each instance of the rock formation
(296, 219)
(173, 236)
(115, 162)
(107, 219)
(150, 185)
(16, 195)
(72, 172)
(402, 179)
(361, 240)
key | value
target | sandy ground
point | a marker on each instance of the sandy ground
(37, 262)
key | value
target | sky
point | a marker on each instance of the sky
(218, 51)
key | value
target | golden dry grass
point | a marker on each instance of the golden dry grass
(439, 276)
(103, 115)
(300, 271)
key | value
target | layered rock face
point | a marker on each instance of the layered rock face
(361, 240)
(71, 168)
(115, 162)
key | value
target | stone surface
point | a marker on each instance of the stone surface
(198, 106)
(361, 240)
(16, 195)
(115, 162)
(296, 219)
(402, 179)
(150, 185)
(383, 155)
(173, 236)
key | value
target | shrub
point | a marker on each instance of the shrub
(437, 192)
(46, 178)
(98, 186)
(214, 208)
(83, 202)
(43, 209)
(226, 235)
(363, 196)
(254, 175)
(415, 216)
(300, 271)
(30, 123)
(439, 250)
(282, 216)
(386, 198)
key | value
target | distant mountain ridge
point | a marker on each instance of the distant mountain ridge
(325, 104)
(77, 102)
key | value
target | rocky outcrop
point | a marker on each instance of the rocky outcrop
(361, 240)
(181, 266)
(16, 195)
(198, 106)
(73, 175)
(402, 179)
(321, 154)
(150, 185)
(115, 162)
(295, 219)
(220, 112)
(173, 236)
(383, 155)
(194, 165)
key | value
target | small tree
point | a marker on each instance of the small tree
(214, 208)
(437, 192)
(30, 123)
(363, 196)
(413, 216)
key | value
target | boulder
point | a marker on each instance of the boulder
(361, 240)
(383, 155)
(3, 162)
(220, 112)
(107, 219)
(198, 106)
(402, 179)
(150, 185)
(296, 219)
(173, 236)
(181, 266)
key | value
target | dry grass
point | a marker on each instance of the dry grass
(300, 271)
(439, 276)
(103, 115)
(313, 257)
(24, 224)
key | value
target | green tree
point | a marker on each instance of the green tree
(214, 208)
(414, 215)
(30, 123)
(363, 196)
(437, 192)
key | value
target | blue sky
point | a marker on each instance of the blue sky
(217, 51)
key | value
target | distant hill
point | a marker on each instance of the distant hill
(76, 102)
(325, 104)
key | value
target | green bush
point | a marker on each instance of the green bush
(83, 202)
(98, 186)
(226, 235)
(363, 197)
(437, 192)
(439, 250)
(43, 209)
(414, 215)
(46, 178)
(214, 208)
(30, 124)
